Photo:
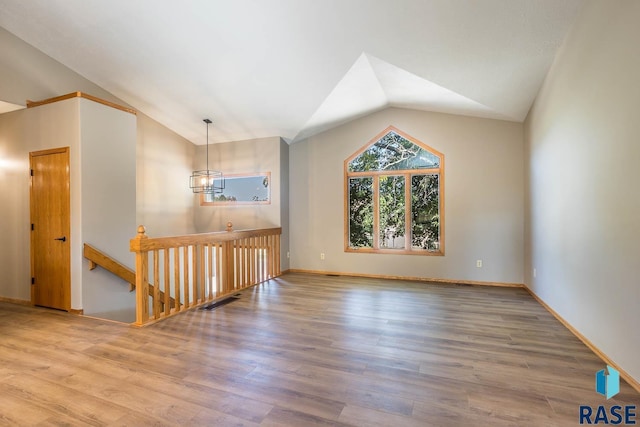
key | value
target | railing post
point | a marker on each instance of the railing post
(142, 277)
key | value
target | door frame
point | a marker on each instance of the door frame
(38, 153)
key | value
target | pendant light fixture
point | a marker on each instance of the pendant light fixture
(207, 181)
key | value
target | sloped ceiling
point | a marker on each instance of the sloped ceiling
(293, 68)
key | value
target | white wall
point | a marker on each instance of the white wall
(483, 198)
(582, 203)
(108, 171)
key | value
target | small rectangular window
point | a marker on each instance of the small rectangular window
(242, 189)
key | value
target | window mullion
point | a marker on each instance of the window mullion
(407, 211)
(376, 212)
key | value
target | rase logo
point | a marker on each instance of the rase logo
(608, 385)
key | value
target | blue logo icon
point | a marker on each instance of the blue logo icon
(608, 383)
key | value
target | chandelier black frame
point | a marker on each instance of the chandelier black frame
(207, 181)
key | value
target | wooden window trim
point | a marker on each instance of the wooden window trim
(203, 202)
(376, 214)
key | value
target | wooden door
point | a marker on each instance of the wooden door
(50, 229)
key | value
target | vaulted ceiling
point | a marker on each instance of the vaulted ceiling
(293, 68)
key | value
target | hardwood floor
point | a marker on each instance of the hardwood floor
(306, 350)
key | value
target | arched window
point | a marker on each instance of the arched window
(394, 196)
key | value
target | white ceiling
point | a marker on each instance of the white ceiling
(293, 68)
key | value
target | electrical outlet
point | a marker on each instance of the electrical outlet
(288, 255)
(534, 272)
(322, 255)
(479, 263)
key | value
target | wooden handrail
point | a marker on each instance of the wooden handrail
(97, 258)
(155, 243)
(198, 269)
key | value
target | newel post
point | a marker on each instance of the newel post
(142, 276)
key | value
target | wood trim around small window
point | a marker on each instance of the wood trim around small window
(439, 171)
(203, 202)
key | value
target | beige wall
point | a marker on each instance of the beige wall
(101, 202)
(583, 205)
(108, 200)
(255, 155)
(284, 205)
(23, 131)
(164, 162)
(483, 198)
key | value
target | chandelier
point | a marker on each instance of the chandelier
(207, 181)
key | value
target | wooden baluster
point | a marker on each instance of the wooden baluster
(274, 251)
(278, 256)
(219, 269)
(256, 260)
(194, 277)
(238, 264)
(237, 261)
(253, 260)
(243, 270)
(185, 271)
(176, 277)
(201, 264)
(167, 284)
(260, 259)
(266, 258)
(210, 249)
(270, 256)
(265, 246)
(142, 277)
(250, 260)
(243, 266)
(229, 267)
(157, 302)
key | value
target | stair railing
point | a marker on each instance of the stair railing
(197, 269)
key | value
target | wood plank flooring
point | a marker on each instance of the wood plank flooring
(305, 350)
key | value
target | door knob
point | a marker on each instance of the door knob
(62, 239)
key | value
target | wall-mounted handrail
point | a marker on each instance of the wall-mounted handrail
(98, 258)
(197, 269)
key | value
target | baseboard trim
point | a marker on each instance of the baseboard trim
(606, 359)
(412, 278)
(15, 301)
(78, 312)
